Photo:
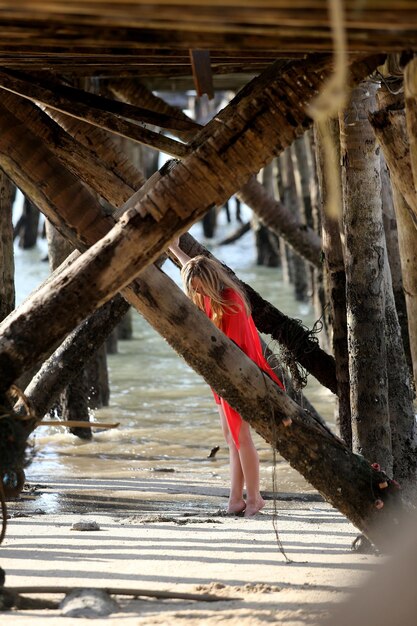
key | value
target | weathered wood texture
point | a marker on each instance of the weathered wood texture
(335, 275)
(364, 264)
(68, 360)
(151, 40)
(7, 290)
(209, 176)
(390, 129)
(282, 221)
(90, 108)
(272, 212)
(345, 479)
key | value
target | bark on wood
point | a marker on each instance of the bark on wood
(407, 241)
(292, 200)
(394, 258)
(72, 403)
(304, 240)
(135, 93)
(410, 93)
(106, 149)
(85, 112)
(400, 397)
(266, 241)
(336, 278)
(81, 160)
(364, 263)
(390, 129)
(346, 480)
(67, 360)
(7, 291)
(277, 216)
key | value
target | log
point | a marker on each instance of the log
(123, 591)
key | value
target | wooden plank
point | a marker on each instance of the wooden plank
(201, 68)
(102, 119)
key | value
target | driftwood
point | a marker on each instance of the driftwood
(123, 591)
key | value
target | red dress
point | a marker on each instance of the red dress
(240, 327)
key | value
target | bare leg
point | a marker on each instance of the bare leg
(236, 501)
(249, 461)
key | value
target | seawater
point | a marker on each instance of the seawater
(168, 420)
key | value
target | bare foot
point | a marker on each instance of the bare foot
(236, 507)
(252, 508)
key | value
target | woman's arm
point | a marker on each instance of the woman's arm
(175, 249)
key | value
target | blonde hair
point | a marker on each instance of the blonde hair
(214, 280)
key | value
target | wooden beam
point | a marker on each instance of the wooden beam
(85, 112)
(202, 74)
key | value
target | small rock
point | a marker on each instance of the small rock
(88, 603)
(85, 525)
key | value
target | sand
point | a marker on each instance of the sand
(168, 533)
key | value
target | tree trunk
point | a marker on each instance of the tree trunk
(400, 397)
(407, 241)
(394, 258)
(389, 127)
(371, 434)
(73, 403)
(336, 278)
(7, 291)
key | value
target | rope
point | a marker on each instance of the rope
(298, 337)
(274, 477)
(329, 102)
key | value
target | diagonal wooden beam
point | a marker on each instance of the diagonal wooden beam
(272, 212)
(345, 479)
(108, 181)
(268, 113)
(87, 110)
(77, 157)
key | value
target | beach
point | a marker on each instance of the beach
(169, 533)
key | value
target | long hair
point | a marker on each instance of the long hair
(214, 280)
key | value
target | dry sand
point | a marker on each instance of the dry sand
(167, 533)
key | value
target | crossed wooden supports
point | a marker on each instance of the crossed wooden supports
(260, 122)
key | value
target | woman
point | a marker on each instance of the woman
(212, 289)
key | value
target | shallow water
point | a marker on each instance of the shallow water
(168, 420)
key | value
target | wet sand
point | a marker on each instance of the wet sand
(168, 532)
